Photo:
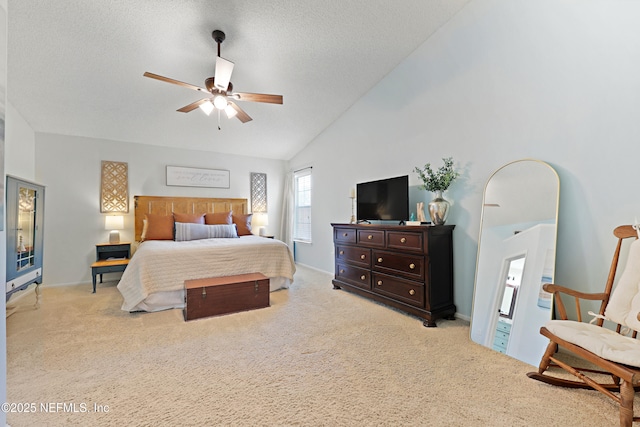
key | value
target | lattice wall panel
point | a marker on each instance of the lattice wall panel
(114, 187)
(258, 192)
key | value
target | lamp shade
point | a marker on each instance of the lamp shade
(260, 218)
(114, 222)
(207, 107)
(220, 102)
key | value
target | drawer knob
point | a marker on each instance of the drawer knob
(341, 252)
(379, 282)
(345, 234)
(403, 240)
(342, 270)
(363, 277)
(380, 259)
(412, 292)
(369, 237)
(363, 256)
(412, 266)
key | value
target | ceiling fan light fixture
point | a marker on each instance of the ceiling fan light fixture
(207, 107)
(220, 102)
(231, 112)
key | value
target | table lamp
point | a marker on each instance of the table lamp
(113, 223)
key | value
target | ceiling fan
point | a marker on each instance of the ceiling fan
(219, 89)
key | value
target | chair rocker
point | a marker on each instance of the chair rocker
(614, 353)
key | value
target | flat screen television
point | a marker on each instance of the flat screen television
(385, 199)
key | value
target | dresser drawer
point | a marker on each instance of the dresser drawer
(344, 235)
(399, 289)
(409, 266)
(354, 275)
(500, 344)
(503, 326)
(504, 336)
(405, 241)
(354, 255)
(371, 238)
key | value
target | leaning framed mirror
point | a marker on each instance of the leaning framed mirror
(516, 256)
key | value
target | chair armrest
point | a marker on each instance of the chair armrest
(553, 288)
(558, 290)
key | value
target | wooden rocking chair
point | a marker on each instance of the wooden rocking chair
(614, 353)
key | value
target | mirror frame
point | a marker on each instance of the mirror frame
(533, 337)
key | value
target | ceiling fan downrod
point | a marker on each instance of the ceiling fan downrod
(219, 37)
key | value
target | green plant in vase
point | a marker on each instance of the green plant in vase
(436, 182)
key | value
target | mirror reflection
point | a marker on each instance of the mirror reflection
(516, 256)
(25, 236)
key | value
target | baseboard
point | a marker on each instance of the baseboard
(330, 273)
(462, 317)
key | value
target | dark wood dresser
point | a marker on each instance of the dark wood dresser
(406, 267)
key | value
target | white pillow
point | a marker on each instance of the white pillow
(624, 305)
(189, 231)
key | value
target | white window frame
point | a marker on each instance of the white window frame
(302, 212)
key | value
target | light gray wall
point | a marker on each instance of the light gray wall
(69, 167)
(20, 146)
(555, 80)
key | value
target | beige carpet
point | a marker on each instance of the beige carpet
(316, 357)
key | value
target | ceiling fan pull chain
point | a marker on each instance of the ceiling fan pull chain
(219, 128)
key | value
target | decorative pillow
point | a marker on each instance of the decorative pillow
(192, 218)
(190, 231)
(218, 218)
(243, 224)
(159, 227)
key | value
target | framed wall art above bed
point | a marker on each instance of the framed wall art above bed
(197, 177)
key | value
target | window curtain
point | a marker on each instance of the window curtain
(286, 226)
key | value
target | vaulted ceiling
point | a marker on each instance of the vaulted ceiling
(75, 67)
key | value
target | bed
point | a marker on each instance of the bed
(154, 278)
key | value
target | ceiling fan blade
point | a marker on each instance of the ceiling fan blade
(223, 72)
(258, 97)
(241, 115)
(175, 82)
(193, 105)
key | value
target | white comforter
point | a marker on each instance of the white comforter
(164, 265)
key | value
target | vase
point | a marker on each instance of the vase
(438, 209)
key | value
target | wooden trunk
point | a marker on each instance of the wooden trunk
(222, 295)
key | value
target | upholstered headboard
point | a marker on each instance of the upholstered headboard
(163, 205)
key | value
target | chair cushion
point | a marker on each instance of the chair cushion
(601, 341)
(624, 304)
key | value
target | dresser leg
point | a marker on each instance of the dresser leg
(429, 323)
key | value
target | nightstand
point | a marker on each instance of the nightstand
(110, 258)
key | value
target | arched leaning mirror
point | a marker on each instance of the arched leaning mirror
(516, 256)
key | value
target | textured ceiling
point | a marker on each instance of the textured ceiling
(75, 67)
